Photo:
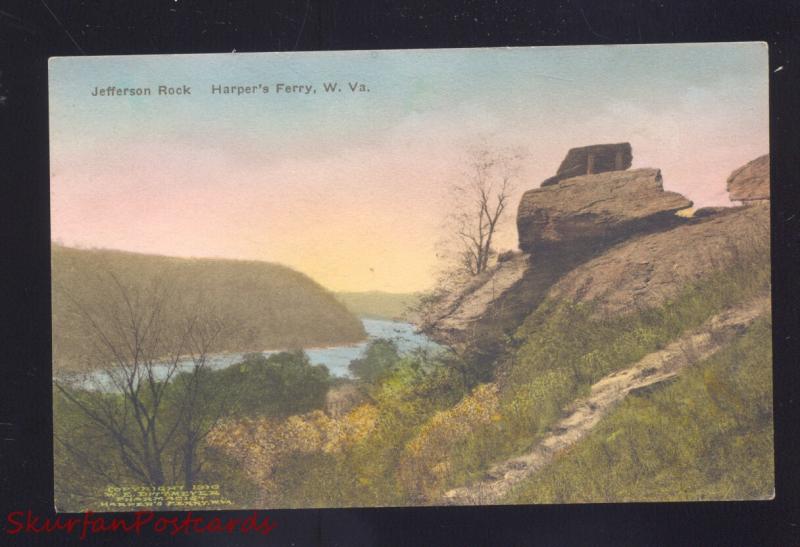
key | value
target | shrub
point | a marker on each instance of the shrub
(426, 459)
(282, 384)
(378, 361)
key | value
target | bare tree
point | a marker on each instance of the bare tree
(478, 203)
(147, 396)
(480, 200)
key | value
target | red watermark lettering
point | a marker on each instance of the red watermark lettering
(26, 522)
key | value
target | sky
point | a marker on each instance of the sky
(351, 188)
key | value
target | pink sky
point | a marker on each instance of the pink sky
(355, 196)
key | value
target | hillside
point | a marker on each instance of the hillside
(270, 306)
(378, 304)
(622, 354)
(611, 298)
(705, 436)
(583, 415)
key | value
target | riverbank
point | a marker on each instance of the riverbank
(335, 358)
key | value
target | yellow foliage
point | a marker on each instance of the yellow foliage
(425, 462)
(260, 445)
(352, 428)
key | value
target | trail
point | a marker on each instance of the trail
(691, 348)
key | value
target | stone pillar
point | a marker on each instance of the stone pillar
(618, 163)
(589, 163)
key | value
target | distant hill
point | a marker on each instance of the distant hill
(378, 304)
(273, 306)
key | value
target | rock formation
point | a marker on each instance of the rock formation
(751, 181)
(612, 238)
(590, 209)
(454, 317)
(588, 160)
(614, 242)
(648, 270)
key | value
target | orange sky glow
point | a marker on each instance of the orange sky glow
(352, 190)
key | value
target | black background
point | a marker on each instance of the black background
(33, 30)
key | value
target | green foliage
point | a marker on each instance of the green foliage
(554, 357)
(270, 306)
(378, 361)
(415, 390)
(364, 474)
(87, 458)
(525, 413)
(562, 348)
(282, 384)
(561, 335)
(705, 436)
(87, 453)
(471, 367)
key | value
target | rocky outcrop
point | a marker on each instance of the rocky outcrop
(751, 181)
(588, 160)
(452, 319)
(650, 269)
(494, 303)
(566, 225)
(613, 239)
(596, 210)
(613, 242)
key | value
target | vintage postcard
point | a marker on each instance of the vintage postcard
(406, 278)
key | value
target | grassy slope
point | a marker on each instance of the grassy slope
(275, 307)
(705, 436)
(378, 304)
(560, 351)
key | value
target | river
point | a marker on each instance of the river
(336, 358)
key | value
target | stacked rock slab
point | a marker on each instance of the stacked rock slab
(751, 181)
(612, 239)
(595, 210)
(647, 270)
(590, 160)
(560, 227)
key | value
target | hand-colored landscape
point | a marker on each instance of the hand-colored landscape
(588, 333)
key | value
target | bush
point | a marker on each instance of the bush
(379, 359)
(428, 433)
(279, 385)
(426, 460)
(561, 350)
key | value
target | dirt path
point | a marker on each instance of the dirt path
(584, 414)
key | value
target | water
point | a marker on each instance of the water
(336, 358)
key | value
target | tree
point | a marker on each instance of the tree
(280, 385)
(147, 400)
(480, 200)
(379, 359)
